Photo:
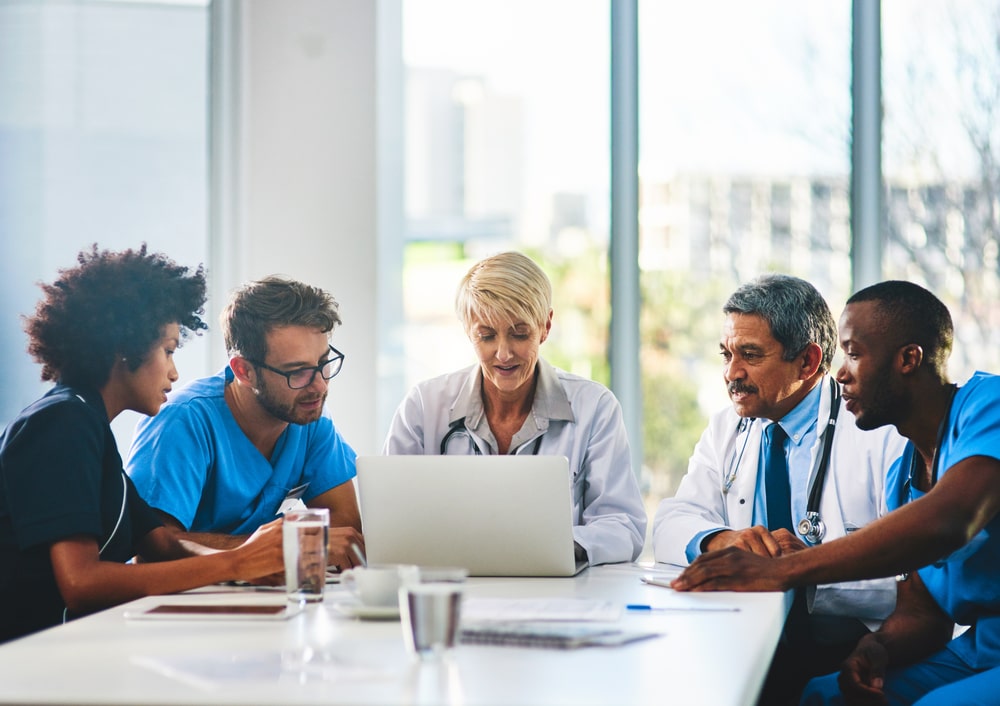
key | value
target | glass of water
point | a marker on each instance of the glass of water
(431, 612)
(304, 537)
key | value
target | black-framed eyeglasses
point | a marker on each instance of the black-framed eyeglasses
(303, 377)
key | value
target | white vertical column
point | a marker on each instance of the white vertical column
(294, 136)
(389, 148)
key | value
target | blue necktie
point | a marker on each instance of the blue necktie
(777, 491)
(778, 497)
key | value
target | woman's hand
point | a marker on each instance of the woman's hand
(261, 554)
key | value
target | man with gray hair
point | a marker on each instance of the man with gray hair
(776, 472)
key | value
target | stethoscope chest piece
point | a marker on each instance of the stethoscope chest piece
(812, 528)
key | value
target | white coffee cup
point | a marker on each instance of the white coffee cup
(377, 585)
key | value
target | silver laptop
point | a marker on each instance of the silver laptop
(493, 515)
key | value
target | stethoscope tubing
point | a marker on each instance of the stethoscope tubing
(458, 427)
(811, 527)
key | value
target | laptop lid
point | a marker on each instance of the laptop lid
(494, 515)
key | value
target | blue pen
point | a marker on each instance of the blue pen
(684, 609)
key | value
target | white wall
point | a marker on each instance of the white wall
(295, 188)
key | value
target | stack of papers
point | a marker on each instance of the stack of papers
(548, 635)
(557, 623)
(539, 609)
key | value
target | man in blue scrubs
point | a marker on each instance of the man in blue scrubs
(229, 452)
(943, 538)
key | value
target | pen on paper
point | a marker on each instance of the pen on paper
(684, 608)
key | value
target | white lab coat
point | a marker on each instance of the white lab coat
(853, 495)
(575, 417)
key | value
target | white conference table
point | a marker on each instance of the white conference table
(321, 656)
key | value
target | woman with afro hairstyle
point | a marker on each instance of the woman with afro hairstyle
(105, 333)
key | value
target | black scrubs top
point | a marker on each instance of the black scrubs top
(60, 475)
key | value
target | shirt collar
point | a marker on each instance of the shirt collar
(550, 402)
(89, 395)
(802, 418)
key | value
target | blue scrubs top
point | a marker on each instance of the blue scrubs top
(966, 584)
(193, 462)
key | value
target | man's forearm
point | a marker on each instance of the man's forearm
(211, 539)
(215, 540)
(917, 628)
(345, 519)
(913, 536)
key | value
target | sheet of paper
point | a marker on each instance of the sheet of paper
(539, 609)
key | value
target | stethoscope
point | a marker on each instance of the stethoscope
(811, 527)
(458, 427)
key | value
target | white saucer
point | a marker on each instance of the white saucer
(364, 612)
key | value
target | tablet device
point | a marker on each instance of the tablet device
(215, 611)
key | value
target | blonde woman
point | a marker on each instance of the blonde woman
(513, 402)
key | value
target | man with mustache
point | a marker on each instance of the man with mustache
(778, 341)
(229, 452)
(942, 536)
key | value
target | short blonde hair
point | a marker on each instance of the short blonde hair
(504, 289)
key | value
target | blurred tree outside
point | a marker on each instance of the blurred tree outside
(681, 370)
(679, 330)
(942, 229)
(943, 168)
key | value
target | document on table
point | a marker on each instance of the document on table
(558, 636)
(539, 609)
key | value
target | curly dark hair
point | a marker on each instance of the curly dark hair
(111, 305)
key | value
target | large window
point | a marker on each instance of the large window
(507, 143)
(744, 169)
(103, 114)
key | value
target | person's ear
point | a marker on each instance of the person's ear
(812, 359)
(909, 358)
(119, 368)
(243, 370)
(547, 328)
